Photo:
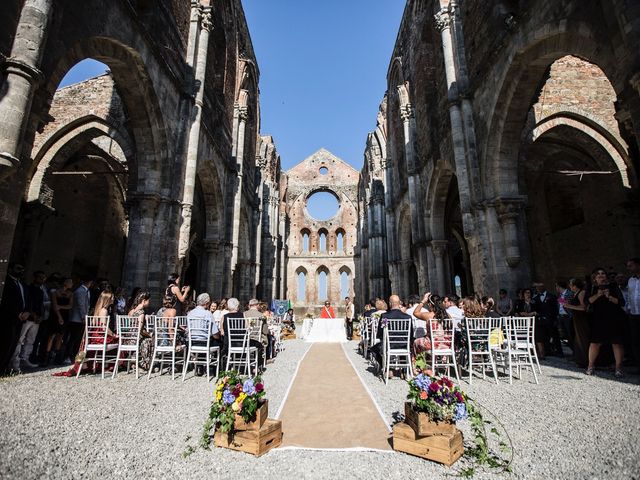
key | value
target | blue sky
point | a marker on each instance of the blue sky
(323, 67)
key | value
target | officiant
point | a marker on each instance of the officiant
(327, 310)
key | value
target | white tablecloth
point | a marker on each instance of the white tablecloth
(325, 330)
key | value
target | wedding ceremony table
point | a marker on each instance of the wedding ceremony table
(326, 330)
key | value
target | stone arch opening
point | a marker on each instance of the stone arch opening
(323, 282)
(340, 240)
(301, 290)
(305, 235)
(323, 235)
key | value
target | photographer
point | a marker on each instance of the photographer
(607, 320)
(177, 294)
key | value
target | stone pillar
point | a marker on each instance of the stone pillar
(142, 210)
(212, 249)
(439, 248)
(198, 50)
(242, 114)
(259, 228)
(509, 210)
(22, 77)
(378, 258)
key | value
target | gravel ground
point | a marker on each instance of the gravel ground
(570, 426)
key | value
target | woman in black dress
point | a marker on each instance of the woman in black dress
(607, 320)
(578, 307)
(62, 303)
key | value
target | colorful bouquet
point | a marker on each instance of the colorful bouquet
(235, 396)
(437, 397)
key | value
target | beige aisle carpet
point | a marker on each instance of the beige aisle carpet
(328, 407)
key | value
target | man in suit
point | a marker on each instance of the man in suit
(13, 313)
(394, 313)
(29, 328)
(545, 305)
(80, 309)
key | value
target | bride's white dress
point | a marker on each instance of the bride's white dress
(327, 330)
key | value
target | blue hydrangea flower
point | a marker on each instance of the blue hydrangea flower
(227, 397)
(422, 381)
(248, 387)
(460, 413)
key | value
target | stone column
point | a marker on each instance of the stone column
(259, 228)
(199, 47)
(242, 114)
(439, 248)
(22, 78)
(212, 249)
(509, 210)
(378, 259)
(142, 210)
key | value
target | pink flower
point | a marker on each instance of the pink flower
(259, 387)
(434, 387)
(423, 395)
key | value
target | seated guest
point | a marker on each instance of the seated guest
(201, 312)
(450, 303)
(233, 305)
(145, 351)
(393, 314)
(370, 308)
(327, 311)
(289, 319)
(168, 310)
(490, 307)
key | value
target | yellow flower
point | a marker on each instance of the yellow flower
(241, 397)
(235, 407)
(218, 396)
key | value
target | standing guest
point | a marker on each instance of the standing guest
(545, 305)
(62, 303)
(202, 312)
(565, 321)
(176, 292)
(327, 310)
(450, 303)
(607, 320)
(349, 315)
(633, 308)
(580, 322)
(80, 309)
(504, 306)
(31, 325)
(13, 313)
(48, 288)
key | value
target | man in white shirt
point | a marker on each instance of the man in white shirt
(633, 305)
(456, 314)
(202, 312)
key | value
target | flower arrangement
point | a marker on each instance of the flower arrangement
(233, 396)
(439, 398)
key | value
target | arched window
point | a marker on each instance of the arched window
(323, 241)
(340, 240)
(344, 284)
(302, 286)
(305, 240)
(323, 284)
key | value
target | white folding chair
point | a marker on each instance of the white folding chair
(441, 335)
(515, 351)
(365, 325)
(164, 343)
(150, 322)
(397, 352)
(255, 334)
(199, 335)
(128, 342)
(239, 350)
(95, 340)
(478, 333)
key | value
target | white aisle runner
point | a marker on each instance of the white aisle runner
(327, 330)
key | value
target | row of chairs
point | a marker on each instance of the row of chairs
(165, 332)
(491, 342)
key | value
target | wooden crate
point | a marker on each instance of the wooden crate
(261, 416)
(446, 449)
(423, 425)
(256, 442)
